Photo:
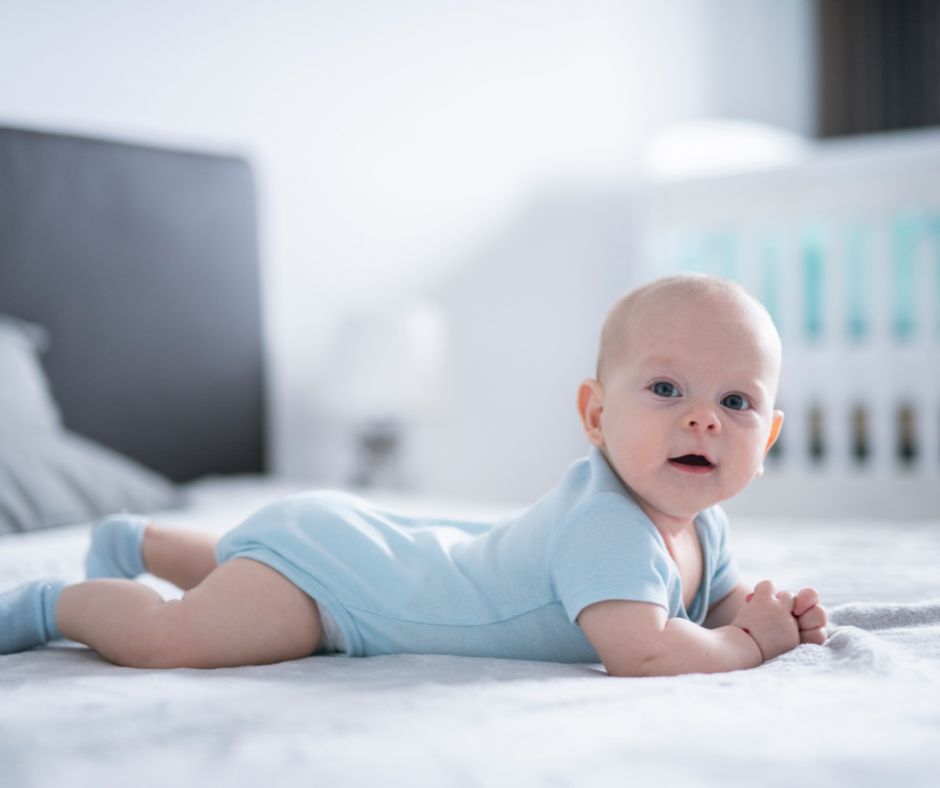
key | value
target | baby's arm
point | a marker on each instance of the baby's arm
(724, 610)
(638, 639)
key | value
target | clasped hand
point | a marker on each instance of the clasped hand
(779, 621)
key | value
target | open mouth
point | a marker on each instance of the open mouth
(693, 463)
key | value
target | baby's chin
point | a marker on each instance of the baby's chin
(677, 506)
(679, 502)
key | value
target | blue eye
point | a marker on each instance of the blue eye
(663, 388)
(735, 402)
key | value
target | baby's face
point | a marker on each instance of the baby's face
(687, 403)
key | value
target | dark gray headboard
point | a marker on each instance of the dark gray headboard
(143, 264)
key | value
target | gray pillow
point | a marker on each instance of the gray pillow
(61, 478)
(25, 399)
(48, 475)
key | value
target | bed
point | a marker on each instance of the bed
(860, 710)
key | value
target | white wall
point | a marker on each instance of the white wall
(418, 145)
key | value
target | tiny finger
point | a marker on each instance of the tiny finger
(814, 618)
(805, 599)
(764, 587)
(814, 636)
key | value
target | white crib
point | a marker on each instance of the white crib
(843, 248)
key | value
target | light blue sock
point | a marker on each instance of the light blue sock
(115, 549)
(27, 615)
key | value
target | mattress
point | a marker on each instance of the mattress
(864, 709)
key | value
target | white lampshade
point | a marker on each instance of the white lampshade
(388, 362)
(712, 146)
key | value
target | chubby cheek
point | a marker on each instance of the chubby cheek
(637, 457)
(743, 471)
(635, 467)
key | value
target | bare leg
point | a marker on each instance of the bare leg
(243, 613)
(185, 558)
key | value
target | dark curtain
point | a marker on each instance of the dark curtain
(879, 65)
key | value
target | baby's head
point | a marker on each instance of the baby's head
(682, 406)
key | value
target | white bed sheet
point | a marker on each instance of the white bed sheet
(863, 710)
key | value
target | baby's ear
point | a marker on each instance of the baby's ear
(775, 426)
(590, 407)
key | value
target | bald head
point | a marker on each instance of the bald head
(681, 295)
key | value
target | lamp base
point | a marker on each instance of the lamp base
(378, 455)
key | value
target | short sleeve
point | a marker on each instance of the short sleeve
(605, 549)
(725, 574)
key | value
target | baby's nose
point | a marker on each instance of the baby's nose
(702, 419)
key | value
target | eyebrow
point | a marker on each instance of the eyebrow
(664, 361)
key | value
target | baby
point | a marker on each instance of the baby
(626, 562)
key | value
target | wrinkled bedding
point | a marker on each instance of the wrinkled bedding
(862, 710)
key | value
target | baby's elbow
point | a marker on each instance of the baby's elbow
(627, 635)
(625, 673)
(636, 666)
(655, 657)
(643, 671)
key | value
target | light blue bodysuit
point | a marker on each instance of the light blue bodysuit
(513, 588)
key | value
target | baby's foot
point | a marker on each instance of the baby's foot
(115, 550)
(27, 615)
